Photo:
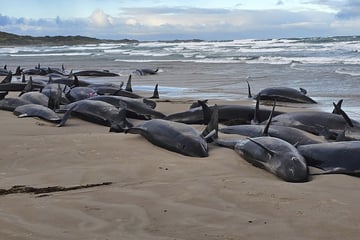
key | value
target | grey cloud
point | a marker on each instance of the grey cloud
(185, 23)
(174, 10)
(41, 27)
(346, 9)
(20, 20)
(350, 10)
(4, 20)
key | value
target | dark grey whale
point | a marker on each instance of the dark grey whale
(228, 115)
(176, 137)
(80, 93)
(272, 154)
(291, 135)
(36, 110)
(36, 98)
(135, 108)
(96, 73)
(9, 104)
(146, 71)
(99, 112)
(334, 157)
(284, 94)
(314, 121)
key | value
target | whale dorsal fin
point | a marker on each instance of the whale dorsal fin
(211, 131)
(206, 111)
(249, 90)
(75, 82)
(337, 108)
(54, 100)
(50, 80)
(28, 87)
(155, 93)
(303, 91)
(8, 78)
(128, 84)
(18, 70)
(266, 129)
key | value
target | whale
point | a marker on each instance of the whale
(4, 71)
(130, 94)
(284, 94)
(36, 98)
(228, 114)
(79, 93)
(273, 155)
(36, 110)
(291, 135)
(37, 70)
(177, 137)
(52, 89)
(71, 81)
(146, 71)
(9, 104)
(96, 73)
(135, 108)
(8, 85)
(333, 157)
(316, 122)
(3, 94)
(99, 112)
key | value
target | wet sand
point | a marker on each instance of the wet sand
(155, 193)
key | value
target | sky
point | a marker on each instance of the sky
(175, 19)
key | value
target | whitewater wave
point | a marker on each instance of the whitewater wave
(338, 50)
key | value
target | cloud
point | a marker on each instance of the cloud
(4, 20)
(350, 10)
(344, 9)
(100, 19)
(43, 26)
(161, 23)
(188, 18)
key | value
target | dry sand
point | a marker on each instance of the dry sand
(155, 193)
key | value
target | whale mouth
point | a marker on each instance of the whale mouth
(297, 172)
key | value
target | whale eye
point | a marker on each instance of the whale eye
(293, 158)
(181, 146)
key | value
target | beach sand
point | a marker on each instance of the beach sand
(155, 193)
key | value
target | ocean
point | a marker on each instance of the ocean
(328, 68)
